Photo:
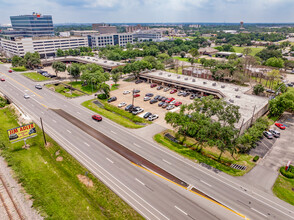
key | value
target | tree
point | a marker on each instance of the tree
(257, 89)
(59, 53)
(285, 44)
(74, 70)
(279, 104)
(115, 77)
(104, 88)
(275, 62)
(18, 61)
(273, 75)
(289, 64)
(183, 54)
(247, 51)
(32, 60)
(265, 54)
(194, 52)
(58, 67)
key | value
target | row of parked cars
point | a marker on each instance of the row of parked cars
(271, 133)
(45, 73)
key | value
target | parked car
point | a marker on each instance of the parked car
(270, 91)
(166, 89)
(159, 87)
(147, 114)
(138, 81)
(2, 79)
(126, 92)
(112, 99)
(10, 71)
(180, 93)
(164, 105)
(136, 95)
(290, 84)
(178, 104)
(97, 117)
(152, 117)
(160, 104)
(129, 107)
(137, 111)
(156, 97)
(173, 91)
(170, 107)
(147, 98)
(136, 91)
(153, 101)
(185, 94)
(163, 99)
(193, 96)
(38, 86)
(173, 102)
(268, 135)
(149, 94)
(170, 100)
(153, 85)
(26, 96)
(280, 125)
(275, 133)
(122, 104)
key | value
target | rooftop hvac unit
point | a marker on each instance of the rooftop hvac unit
(204, 83)
(223, 86)
(112, 63)
(193, 80)
(169, 75)
(105, 61)
(186, 78)
(214, 84)
(237, 96)
(237, 89)
(231, 100)
(160, 73)
(178, 77)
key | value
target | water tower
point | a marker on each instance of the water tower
(241, 25)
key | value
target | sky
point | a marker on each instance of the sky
(153, 11)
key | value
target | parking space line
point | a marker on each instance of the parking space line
(185, 213)
(140, 181)
(109, 160)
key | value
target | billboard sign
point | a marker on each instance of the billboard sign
(22, 132)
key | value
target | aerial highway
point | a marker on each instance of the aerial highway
(150, 193)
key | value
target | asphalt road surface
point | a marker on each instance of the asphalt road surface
(152, 195)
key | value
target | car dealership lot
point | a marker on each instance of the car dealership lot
(139, 101)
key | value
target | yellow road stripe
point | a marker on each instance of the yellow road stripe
(237, 213)
(22, 85)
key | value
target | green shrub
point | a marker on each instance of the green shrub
(19, 69)
(3, 102)
(256, 158)
(102, 96)
(289, 174)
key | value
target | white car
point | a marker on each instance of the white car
(122, 104)
(147, 98)
(126, 92)
(170, 107)
(26, 96)
(173, 102)
(166, 89)
(152, 117)
(137, 111)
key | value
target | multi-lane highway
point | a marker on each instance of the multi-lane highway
(149, 193)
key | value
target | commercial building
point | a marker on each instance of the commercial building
(102, 40)
(136, 28)
(104, 28)
(45, 46)
(147, 35)
(83, 33)
(207, 51)
(199, 73)
(32, 25)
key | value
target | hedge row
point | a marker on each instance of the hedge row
(289, 174)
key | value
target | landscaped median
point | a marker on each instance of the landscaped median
(35, 76)
(19, 69)
(65, 90)
(116, 114)
(56, 181)
(208, 155)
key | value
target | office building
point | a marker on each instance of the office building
(136, 28)
(102, 40)
(104, 28)
(83, 33)
(148, 35)
(32, 25)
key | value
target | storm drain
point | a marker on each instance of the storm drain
(238, 167)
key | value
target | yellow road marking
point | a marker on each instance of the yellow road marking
(237, 213)
(22, 85)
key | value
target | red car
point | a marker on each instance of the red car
(170, 100)
(153, 85)
(2, 79)
(280, 125)
(136, 95)
(178, 104)
(97, 117)
(10, 71)
(173, 91)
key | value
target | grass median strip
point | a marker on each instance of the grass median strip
(284, 189)
(54, 184)
(115, 114)
(208, 156)
(19, 69)
(35, 76)
(60, 88)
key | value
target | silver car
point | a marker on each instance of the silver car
(26, 96)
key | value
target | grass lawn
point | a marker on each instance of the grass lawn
(19, 69)
(53, 185)
(180, 70)
(78, 85)
(255, 50)
(115, 114)
(35, 76)
(208, 155)
(181, 59)
(266, 83)
(284, 189)
(1, 62)
(114, 87)
(64, 91)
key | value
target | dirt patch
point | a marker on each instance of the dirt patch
(85, 180)
(59, 158)
(57, 153)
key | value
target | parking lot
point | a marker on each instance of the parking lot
(263, 146)
(144, 89)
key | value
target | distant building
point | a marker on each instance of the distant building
(102, 40)
(199, 73)
(194, 26)
(207, 51)
(104, 28)
(226, 54)
(230, 31)
(83, 33)
(64, 34)
(32, 25)
(136, 28)
(208, 35)
(149, 35)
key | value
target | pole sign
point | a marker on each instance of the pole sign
(22, 132)
(288, 165)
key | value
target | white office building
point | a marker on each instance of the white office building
(45, 46)
(101, 40)
(148, 35)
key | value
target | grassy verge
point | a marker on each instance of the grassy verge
(115, 114)
(35, 76)
(114, 87)
(65, 91)
(53, 185)
(181, 59)
(78, 85)
(208, 156)
(254, 51)
(19, 69)
(284, 189)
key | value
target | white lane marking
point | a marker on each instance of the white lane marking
(54, 121)
(185, 213)
(166, 161)
(109, 160)
(140, 181)
(26, 90)
(205, 183)
(78, 113)
(190, 187)
(68, 131)
(87, 144)
(259, 212)
(42, 113)
(137, 145)
(113, 132)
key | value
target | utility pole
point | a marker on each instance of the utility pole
(43, 132)
(252, 115)
(133, 97)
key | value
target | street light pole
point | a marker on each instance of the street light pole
(133, 97)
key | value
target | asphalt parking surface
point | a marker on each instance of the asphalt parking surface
(262, 147)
